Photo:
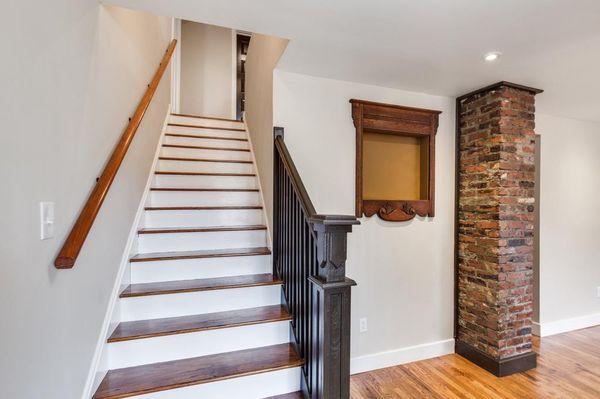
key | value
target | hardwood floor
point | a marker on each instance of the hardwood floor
(568, 367)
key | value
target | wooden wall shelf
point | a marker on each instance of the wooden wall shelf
(395, 160)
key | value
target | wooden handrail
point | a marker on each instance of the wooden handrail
(68, 254)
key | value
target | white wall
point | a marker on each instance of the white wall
(207, 70)
(404, 271)
(569, 223)
(72, 73)
(263, 54)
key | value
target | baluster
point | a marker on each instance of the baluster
(297, 263)
(301, 280)
(285, 234)
(277, 193)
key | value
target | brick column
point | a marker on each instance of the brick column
(495, 221)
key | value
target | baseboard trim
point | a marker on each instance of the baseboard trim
(404, 355)
(500, 368)
(566, 325)
(535, 329)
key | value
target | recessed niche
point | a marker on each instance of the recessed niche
(395, 158)
(395, 167)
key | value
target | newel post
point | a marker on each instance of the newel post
(331, 307)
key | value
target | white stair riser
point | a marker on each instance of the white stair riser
(186, 120)
(189, 303)
(195, 218)
(205, 154)
(204, 198)
(235, 134)
(201, 343)
(190, 181)
(201, 241)
(255, 386)
(204, 167)
(188, 269)
(206, 142)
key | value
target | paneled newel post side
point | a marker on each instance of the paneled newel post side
(332, 304)
(309, 255)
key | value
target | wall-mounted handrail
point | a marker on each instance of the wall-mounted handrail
(309, 256)
(68, 254)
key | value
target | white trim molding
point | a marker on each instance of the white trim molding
(234, 74)
(176, 67)
(565, 325)
(404, 355)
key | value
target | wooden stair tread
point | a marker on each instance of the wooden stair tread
(203, 147)
(195, 136)
(201, 160)
(202, 284)
(201, 208)
(220, 253)
(206, 127)
(291, 395)
(202, 189)
(208, 229)
(174, 173)
(185, 324)
(162, 376)
(207, 117)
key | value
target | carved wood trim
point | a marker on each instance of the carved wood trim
(373, 117)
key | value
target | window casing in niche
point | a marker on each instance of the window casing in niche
(395, 159)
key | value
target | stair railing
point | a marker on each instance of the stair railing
(309, 255)
(68, 254)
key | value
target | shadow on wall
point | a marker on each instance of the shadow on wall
(263, 55)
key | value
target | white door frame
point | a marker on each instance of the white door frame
(176, 67)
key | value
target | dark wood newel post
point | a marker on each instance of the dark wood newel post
(309, 256)
(332, 305)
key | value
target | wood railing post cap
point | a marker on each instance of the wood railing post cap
(334, 220)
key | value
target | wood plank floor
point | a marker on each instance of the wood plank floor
(568, 367)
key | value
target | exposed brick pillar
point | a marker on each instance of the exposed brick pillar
(496, 180)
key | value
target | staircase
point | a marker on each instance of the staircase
(203, 315)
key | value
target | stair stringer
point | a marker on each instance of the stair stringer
(99, 367)
(260, 188)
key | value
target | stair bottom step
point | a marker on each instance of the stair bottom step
(291, 395)
(150, 378)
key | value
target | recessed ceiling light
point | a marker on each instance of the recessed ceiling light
(492, 56)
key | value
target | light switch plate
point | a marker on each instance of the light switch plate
(46, 220)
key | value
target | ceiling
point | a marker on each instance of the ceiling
(430, 46)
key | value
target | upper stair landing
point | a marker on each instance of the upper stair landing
(207, 122)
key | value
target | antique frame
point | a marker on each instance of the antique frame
(373, 117)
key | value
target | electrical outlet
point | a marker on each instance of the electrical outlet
(363, 325)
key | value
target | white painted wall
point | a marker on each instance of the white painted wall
(263, 54)
(72, 74)
(207, 70)
(404, 271)
(569, 223)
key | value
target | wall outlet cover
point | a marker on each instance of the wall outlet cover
(363, 327)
